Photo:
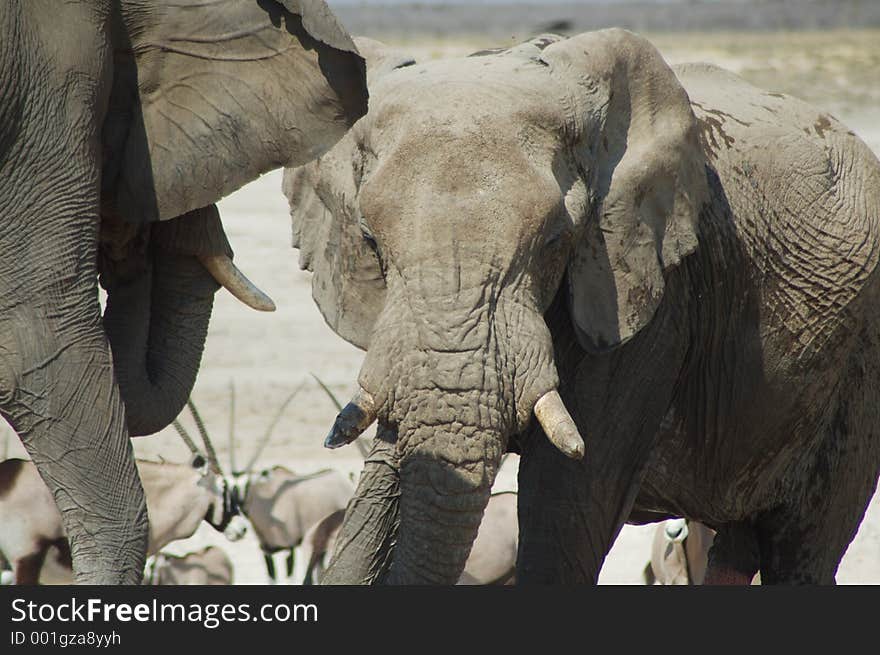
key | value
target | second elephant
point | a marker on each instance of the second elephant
(570, 246)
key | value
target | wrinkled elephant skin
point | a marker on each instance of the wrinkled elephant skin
(570, 239)
(116, 114)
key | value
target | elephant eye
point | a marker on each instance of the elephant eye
(372, 243)
(365, 232)
(369, 238)
(555, 238)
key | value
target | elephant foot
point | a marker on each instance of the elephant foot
(725, 575)
(734, 557)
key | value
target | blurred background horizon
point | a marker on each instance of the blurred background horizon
(526, 17)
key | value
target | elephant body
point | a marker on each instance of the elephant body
(569, 246)
(771, 436)
(116, 114)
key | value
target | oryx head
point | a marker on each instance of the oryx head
(244, 480)
(224, 512)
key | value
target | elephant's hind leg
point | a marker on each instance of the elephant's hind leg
(803, 542)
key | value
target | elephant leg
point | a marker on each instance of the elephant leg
(555, 543)
(734, 557)
(803, 543)
(363, 548)
(59, 395)
(57, 386)
(570, 512)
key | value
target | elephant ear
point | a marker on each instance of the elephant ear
(636, 146)
(209, 95)
(348, 284)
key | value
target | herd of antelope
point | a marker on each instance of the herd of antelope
(296, 516)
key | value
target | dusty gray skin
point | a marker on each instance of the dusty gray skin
(696, 276)
(115, 115)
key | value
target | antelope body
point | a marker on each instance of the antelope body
(281, 506)
(179, 497)
(208, 566)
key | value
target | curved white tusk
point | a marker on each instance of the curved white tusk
(558, 425)
(228, 275)
(351, 422)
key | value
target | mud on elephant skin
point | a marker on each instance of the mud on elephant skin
(689, 261)
(118, 115)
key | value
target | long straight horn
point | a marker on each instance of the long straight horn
(558, 425)
(352, 420)
(265, 440)
(233, 280)
(232, 468)
(188, 440)
(209, 447)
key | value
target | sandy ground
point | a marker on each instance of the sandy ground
(266, 356)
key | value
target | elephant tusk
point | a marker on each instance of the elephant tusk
(558, 425)
(227, 275)
(351, 422)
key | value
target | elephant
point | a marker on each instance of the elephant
(657, 285)
(121, 123)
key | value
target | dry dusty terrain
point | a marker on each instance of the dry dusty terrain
(268, 355)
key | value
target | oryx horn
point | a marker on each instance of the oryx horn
(232, 427)
(186, 438)
(265, 440)
(209, 447)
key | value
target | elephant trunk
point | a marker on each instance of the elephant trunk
(456, 387)
(158, 308)
(445, 485)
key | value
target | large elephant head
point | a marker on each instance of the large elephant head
(205, 97)
(443, 226)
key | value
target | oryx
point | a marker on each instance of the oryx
(208, 566)
(179, 497)
(280, 504)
